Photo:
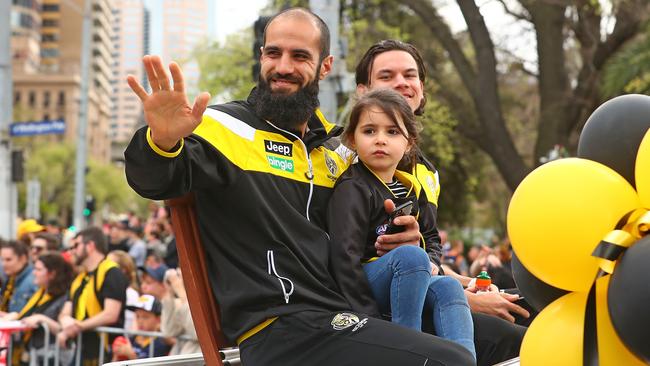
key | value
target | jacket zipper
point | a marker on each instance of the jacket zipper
(310, 170)
(272, 271)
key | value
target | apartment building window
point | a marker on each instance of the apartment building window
(26, 21)
(61, 100)
(46, 99)
(17, 97)
(32, 99)
(46, 117)
(51, 7)
(24, 3)
(49, 52)
(50, 23)
(53, 37)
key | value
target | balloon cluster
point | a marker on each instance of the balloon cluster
(579, 227)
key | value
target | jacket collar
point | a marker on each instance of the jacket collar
(27, 270)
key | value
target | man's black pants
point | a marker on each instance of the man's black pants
(321, 338)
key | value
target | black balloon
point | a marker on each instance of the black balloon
(629, 299)
(537, 292)
(614, 131)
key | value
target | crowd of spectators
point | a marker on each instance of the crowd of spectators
(121, 274)
(470, 261)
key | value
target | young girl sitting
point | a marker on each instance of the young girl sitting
(382, 131)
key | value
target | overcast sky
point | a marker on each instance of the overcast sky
(231, 16)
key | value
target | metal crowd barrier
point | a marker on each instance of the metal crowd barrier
(230, 357)
(43, 355)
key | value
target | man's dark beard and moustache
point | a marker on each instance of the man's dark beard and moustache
(80, 259)
(286, 111)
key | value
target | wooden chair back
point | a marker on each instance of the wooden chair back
(191, 255)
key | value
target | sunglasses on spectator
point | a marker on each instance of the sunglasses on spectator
(37, 248)
(76, 244)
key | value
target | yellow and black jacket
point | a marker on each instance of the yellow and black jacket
(84, 291)
(261, 196)
(356, 217)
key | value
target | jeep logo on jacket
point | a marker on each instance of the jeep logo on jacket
(275, 147)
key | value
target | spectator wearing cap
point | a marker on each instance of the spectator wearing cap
(147, 317)
(153, 281)
(20, 279)
(27, 229)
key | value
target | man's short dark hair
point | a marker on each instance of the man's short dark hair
(18, 247)
(52, 242)
(364, 67)
(95, 235)
(322, 28)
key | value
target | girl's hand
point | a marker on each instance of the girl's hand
(410, 235)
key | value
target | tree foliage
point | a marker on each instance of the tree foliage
(53, 165)
(226, 69)
(566, 96)
(511, 111)
(629, 70)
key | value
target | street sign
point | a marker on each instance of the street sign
(37, 128)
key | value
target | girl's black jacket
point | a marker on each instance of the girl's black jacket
(356, 216)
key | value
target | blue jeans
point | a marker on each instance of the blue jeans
(402, 285)
(399, 280)
(452, 318)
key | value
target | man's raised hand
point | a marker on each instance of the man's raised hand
(167, 111)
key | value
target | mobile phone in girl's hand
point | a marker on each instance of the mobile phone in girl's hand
(401, 210)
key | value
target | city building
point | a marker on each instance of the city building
(47, 80)
(25, 35)
(185, 25)
(130, 40)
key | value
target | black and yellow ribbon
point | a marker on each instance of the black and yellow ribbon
(632, 227)
(38, 299)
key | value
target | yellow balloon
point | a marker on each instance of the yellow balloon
(611, 350)
(560, 212)
(642, 171)
(556, 335)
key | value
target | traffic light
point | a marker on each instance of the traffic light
(90, 206)
(258, 28)
(17, 166)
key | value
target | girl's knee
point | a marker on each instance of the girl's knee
(410, 256)
(448, 286)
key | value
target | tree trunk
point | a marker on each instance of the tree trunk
(554, 89)
(491, 134)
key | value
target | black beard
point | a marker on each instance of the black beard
(286, 111)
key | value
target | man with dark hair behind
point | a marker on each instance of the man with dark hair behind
(97, 295)
(262, 176)
(43, 243)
